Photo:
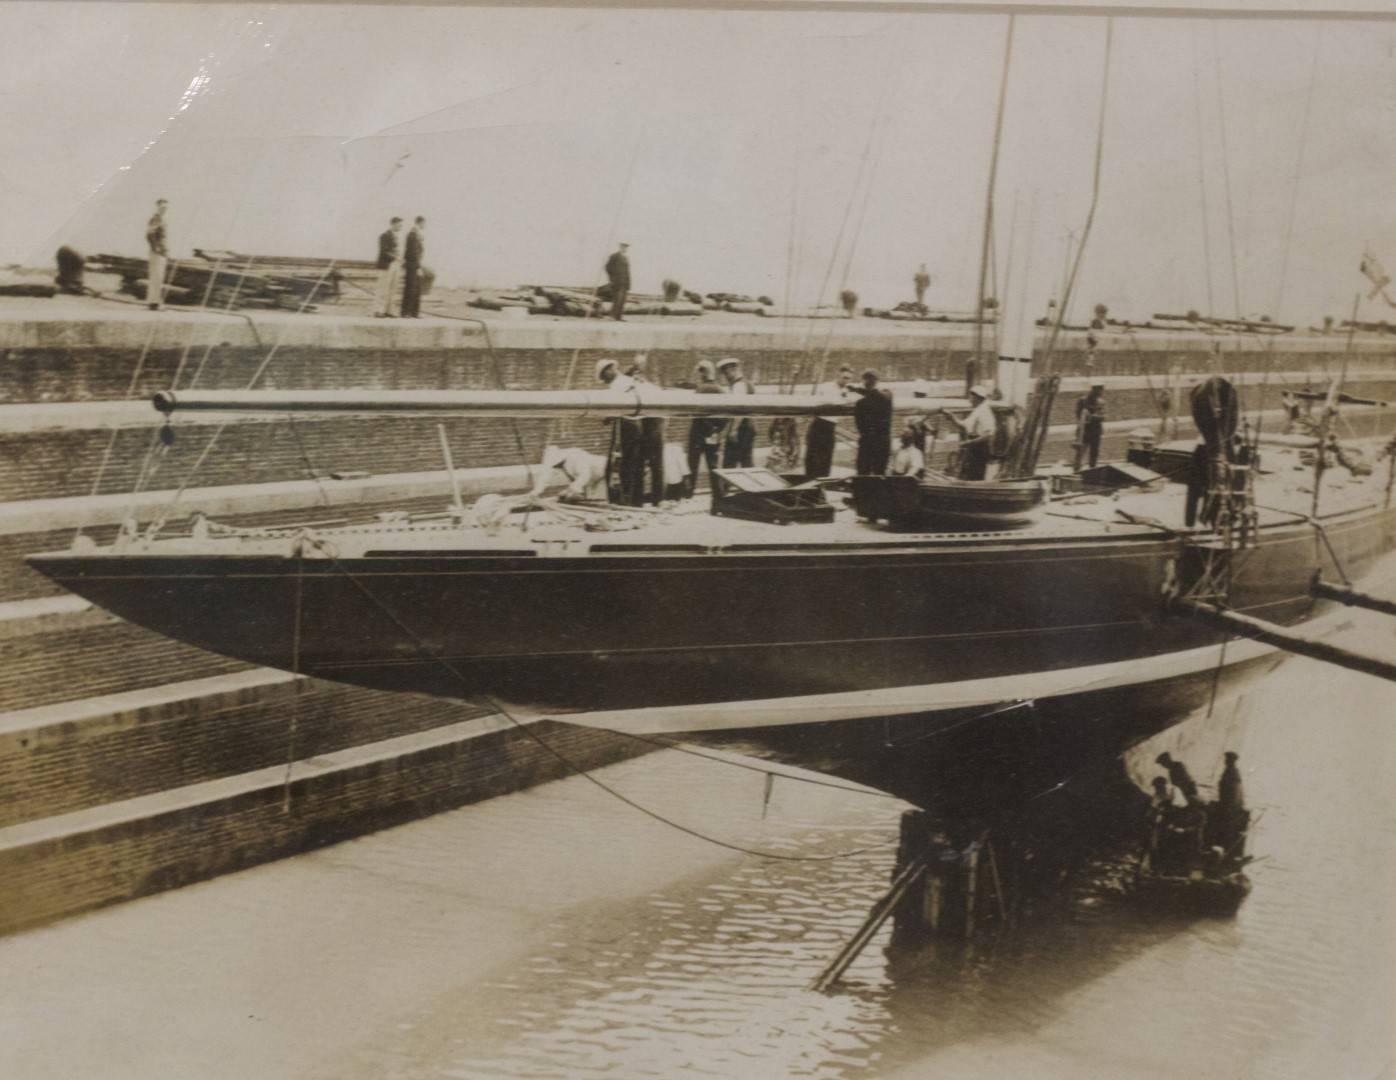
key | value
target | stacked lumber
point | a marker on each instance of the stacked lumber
(566, 300)
(224, 279)
(909, 311)
(1249, 326)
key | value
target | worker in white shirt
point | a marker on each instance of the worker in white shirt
(977, 435)
(585, 473)
(908, 460)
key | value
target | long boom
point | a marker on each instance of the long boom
(601, 404)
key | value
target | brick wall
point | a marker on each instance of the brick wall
(104, 864)
(60, 767)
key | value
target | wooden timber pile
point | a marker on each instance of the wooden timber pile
(1248, 326)
(910, 311)
(582, 303)
(229, 279)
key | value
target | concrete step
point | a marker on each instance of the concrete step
(66, 756)
(69, 863)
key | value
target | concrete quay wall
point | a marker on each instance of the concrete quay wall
(70, 863)
(84, 350)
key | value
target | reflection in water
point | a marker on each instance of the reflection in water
(709, 976)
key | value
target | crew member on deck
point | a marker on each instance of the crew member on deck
(627, 436)
(1090, 424)
(1196, 505)
(705, 432)
(738, 452)
(1180, 777)
(819, 436)
(873, 417)
(977, 435)
(585, 473)
(908, 460)
(651, 441)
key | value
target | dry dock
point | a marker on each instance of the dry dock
(130, 764)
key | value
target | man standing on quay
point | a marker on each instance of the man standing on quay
(387, 269)
(618, 274)
(157, 241)
(922, 282)
(412, 252)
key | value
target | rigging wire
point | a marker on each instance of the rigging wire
(1226, 178)
(864, 165)
(168, 508)
(1095, 199)
(1202, 177)
(1298, 172)
(1289, 229)
(136, 373)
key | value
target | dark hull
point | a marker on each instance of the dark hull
(638, 628)
(993, 762)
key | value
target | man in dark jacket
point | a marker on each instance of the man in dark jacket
(618, 274)
(873, 417)
(387, 269)
(412, 252)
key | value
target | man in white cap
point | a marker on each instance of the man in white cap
(977, 435)
(585, 473)
(625, 440)
(738, 453)
(608, 372)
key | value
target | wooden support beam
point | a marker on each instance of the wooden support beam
(1284, 637)
(879, 914)
(1351, 597)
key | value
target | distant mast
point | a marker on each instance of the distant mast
(972, 376)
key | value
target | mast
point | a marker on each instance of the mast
(989, 202)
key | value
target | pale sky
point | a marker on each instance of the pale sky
(730, 149)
